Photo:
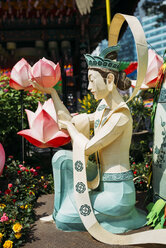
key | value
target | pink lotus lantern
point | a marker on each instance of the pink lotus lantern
(2, 159)
(44, 131)
(46, 73)
(154, 64)
(20, 76)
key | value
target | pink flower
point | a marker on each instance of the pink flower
(32, 170)
(20, 165)
(5, 90)
(45, 186)
(44, 131)
(20, 76)
(147, 166)
(4, 218)
(133, 162)
(23, 168)
(46, 73)
(2, 159)
(10, 185)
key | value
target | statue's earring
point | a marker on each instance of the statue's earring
(110, 81)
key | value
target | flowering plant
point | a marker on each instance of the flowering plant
(10, 112)
(22, 185)
(88, 104)
(142, 172)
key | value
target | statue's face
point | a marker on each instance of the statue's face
(97, 85)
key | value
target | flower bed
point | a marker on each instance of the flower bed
(21, 186)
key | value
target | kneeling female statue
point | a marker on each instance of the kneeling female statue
(101, 198)
(112, 192)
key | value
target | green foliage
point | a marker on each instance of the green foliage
(88, 104)
(11, 102)
(142, 135)
(21, 185)
(139, 113)
(142, 172)
(156, 216)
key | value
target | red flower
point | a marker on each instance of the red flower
(18, 172)
(135, 172)
(10, 185)
(45, 186)
(10, 156)
(14, 200)
(38, 168)
(27, 170)
(7, 191)
(141, 182)
(133, 162)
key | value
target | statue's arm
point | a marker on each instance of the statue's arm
(60, 108)
(108, 133)
(78, 117)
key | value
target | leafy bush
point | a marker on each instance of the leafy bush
(22, 185)
(88, 104)
(11, 102)
(142, 172)
(140, 114)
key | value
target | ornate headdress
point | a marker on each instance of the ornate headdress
(105, 59)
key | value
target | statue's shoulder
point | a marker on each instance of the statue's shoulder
(122, 108)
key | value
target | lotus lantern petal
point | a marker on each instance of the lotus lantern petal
(154, 64)
(44, 131)
(2, 159)
(20, 76)
(46, 73)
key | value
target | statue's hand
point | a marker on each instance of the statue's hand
(64, 124)
(42, 89)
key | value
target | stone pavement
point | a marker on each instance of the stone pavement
(45, 235)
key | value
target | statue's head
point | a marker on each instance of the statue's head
(103, 73)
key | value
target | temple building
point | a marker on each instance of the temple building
(60, 30)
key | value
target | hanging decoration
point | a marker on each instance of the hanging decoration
(12, 10)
